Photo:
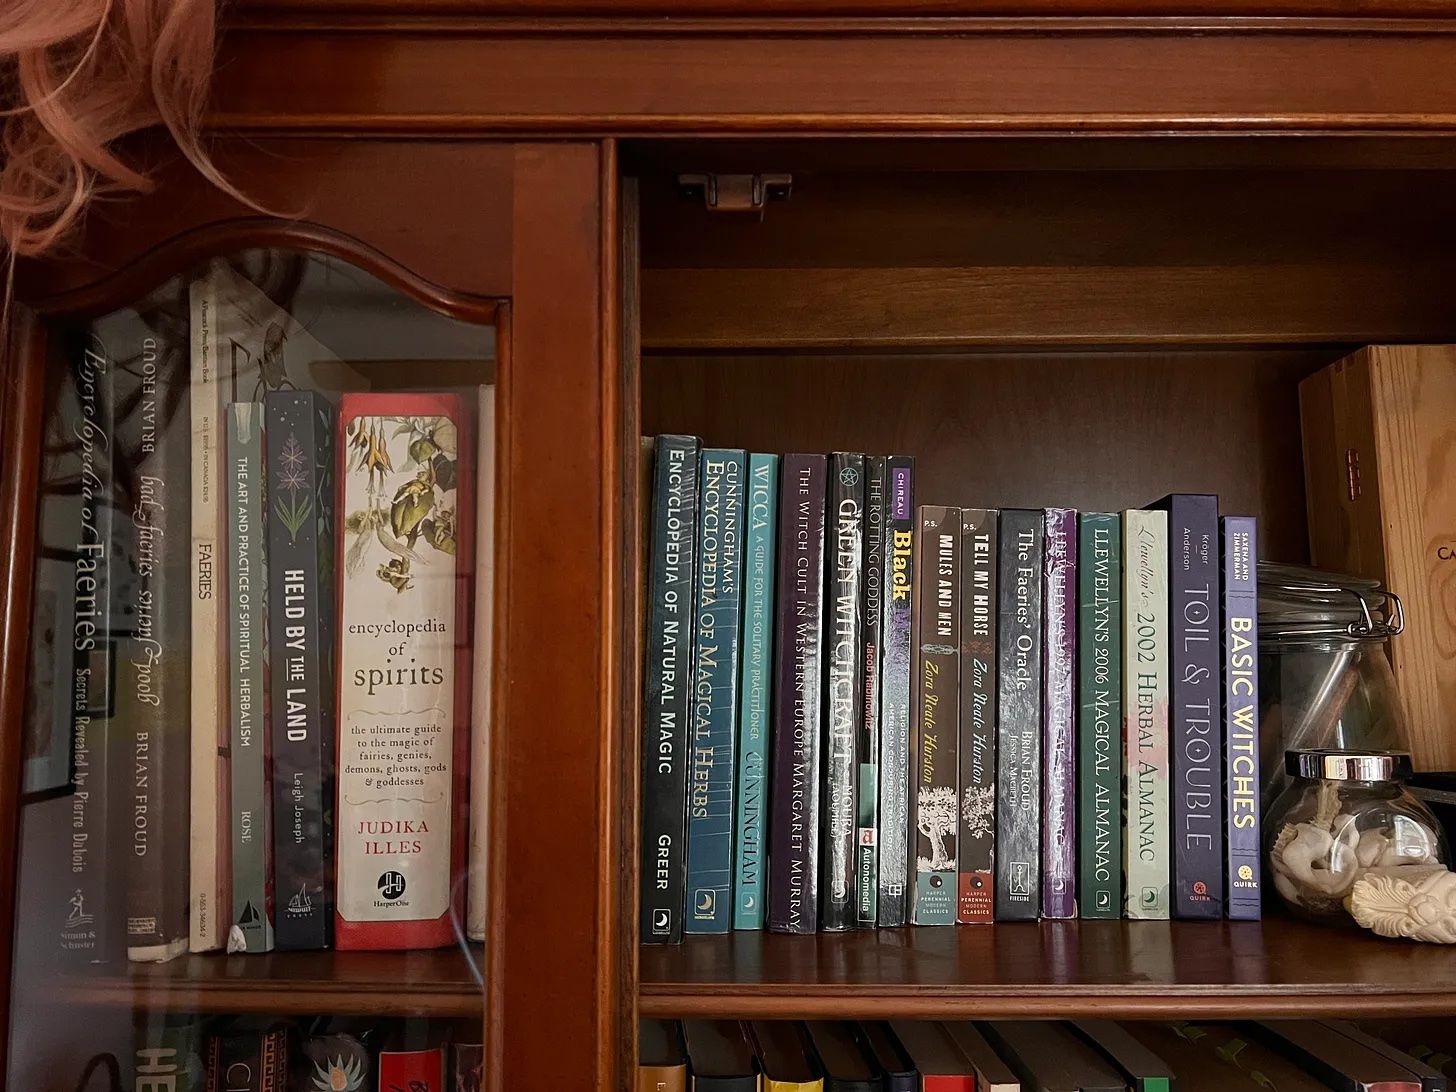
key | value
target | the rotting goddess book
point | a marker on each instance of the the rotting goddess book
(404, 539)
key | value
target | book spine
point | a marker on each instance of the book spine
(1241, 714)
(1099, 732)
(252, 831)
(755, 690)
(798, 693)
(467, 1067)
(896, 690)
(844, 690)
(298, 432)
(721, 475)
(976, 900)
(1018, 736)
(235, 1062)
(153, 702)
(867, 856)
(94, 892)
(414, 1070)
(1059, 702)
(404, 472)
(934, 814)
(1196, 735)
(481, 659)
(170, 1055)
(667, 689)
(211, 846)
(1145, 711)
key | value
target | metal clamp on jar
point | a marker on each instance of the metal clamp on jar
(1324, 676)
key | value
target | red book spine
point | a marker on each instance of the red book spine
(406, 565)
(412, 1070)
(945, 1082)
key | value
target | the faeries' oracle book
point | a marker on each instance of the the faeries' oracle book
(405, 531)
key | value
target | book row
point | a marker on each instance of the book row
(274, 600)
(1039, 1056)
(324, 1054)
(862, 710)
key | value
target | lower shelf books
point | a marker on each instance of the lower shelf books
(1007, 1056)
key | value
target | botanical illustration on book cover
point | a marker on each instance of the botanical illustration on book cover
(398, 517)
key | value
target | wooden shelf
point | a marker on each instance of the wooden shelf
(1116, 969)
(426, 983)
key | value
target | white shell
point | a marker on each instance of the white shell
(1415, 901)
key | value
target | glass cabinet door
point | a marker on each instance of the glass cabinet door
(251, 830)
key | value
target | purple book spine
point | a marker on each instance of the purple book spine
(1195, 728)
(1241, 713)
(1059, 702)
(798, 691)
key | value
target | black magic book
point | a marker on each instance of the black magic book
(299, 435)
(867, 858)
(153, 676)
(667, 689)
(798, 694)
(896, 691)
(1019, 678)
(844, 632)
(1195, 716)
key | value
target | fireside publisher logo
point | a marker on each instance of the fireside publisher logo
(391, 885)
(661, 922)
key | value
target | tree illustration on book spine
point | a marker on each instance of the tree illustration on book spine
(298, 426)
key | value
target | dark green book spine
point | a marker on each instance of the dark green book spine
(667, 689)
(715, 690)
(976, 899)
(299, 439)
(1099, 728)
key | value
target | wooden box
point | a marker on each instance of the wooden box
(1380, 478)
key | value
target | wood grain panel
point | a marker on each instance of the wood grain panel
(554, 924)
(1380, 451)
(1026, 78)
(1099, 432)
(782, 10)
(24, 369)
(1120, 969)
(1042, 305)
(359, 199)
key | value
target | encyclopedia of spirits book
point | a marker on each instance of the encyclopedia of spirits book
(404, 527)
(299, 441)
(667, 689)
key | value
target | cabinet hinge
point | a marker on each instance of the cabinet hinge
(1352, 473)
(736, 192)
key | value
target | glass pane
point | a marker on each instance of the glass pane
(259, 684)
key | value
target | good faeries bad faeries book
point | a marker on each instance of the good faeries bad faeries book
(405, 540)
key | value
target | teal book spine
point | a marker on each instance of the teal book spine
(719, 607)
(1099, 728)
(755, 689)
